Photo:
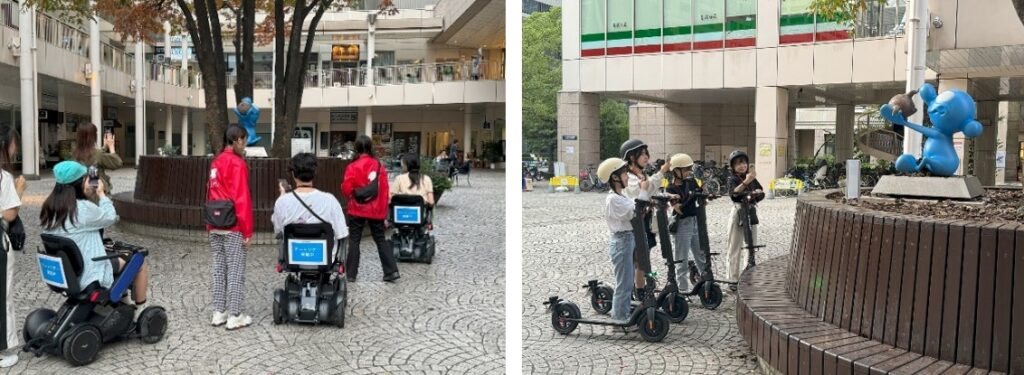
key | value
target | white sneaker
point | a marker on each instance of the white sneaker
(219, 318)
(8, 360)
(239, 321)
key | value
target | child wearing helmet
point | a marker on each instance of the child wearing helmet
(619, 211)
(741, 183)
(640, 187)
(684, 211)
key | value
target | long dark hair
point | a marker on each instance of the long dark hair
(8, 135)
(412, 164)
(631, 160)
(364, 145)
(85, 143)
(62, 204)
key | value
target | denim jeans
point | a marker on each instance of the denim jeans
(687, 240)
(621, 252)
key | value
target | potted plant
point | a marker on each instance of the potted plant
(494, 154)
(439, 178)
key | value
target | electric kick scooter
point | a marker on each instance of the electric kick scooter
(652, 324)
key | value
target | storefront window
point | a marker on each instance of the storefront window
(740, 23)
(678, 25)
(620, 27)
(708, 24)
(592, 28)
(796, 22)
(648, 26)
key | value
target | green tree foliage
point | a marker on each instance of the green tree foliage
(542, 78)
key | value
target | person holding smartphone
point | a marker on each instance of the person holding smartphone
(104, 159)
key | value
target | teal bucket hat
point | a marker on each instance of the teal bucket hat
(69, 171)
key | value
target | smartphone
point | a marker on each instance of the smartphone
(284, 183)
(94, 177)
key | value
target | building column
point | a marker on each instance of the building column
(169, 125)
(985, 145)
(184, 132)
(845, 122)
(95, 91)
(647, 123)
(371, 43)
(140, 101)
(1006, 142)
(771, 112)
(467, 132)
(683, 130)
(579, 130)
(368, 125)
(29, 99)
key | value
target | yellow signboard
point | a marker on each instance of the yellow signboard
(565, 181)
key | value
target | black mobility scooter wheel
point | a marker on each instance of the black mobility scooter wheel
(561, 315)
(339, 316)
(152, 324)
(654, 330)
(676, 308)
(601, 299)
(36, 323)
(81, 344)
(278, 310)
(711, 296)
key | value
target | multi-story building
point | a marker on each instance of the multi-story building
(713, 76)
(437, 74)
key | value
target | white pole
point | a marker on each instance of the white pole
(370, 47)
(140, 101)
(169, 124)
(95, 91)
(917, 39)
(273, 91)
(184, 112)
(29, 103)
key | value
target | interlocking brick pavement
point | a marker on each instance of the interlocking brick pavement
(565, 243)
(447, 317)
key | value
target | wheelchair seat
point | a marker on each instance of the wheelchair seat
(408, 210)
(308, 248)
(61, 264)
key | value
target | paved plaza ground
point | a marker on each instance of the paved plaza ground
(447, 317)
(565, 243)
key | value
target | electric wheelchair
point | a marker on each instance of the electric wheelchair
(315, 290)
(92, 315)
(413, 221)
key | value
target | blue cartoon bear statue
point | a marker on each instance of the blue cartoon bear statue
(950, 112)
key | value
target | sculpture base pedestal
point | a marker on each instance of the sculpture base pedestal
(960, 187)
(255, 152)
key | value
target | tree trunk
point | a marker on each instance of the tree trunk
(244, 40)
(204, 29)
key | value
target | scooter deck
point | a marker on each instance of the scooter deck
(602, 322)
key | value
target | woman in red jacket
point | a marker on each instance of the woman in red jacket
(229, 180)
(372, 212)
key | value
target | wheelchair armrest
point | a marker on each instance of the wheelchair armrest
(111, 256)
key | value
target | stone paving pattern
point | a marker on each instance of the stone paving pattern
(565, 243)
(447, 317)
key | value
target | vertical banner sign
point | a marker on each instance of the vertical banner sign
(740, 23)
(592, 27)
(648, 26)
(620, 27)
(678, 25)
(796, 22)
(708, 29)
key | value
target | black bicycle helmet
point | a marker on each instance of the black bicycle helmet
(737, 154)
(630, 146)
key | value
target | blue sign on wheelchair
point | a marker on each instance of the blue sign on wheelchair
(52, 270)
(307, 252)
(407, 215)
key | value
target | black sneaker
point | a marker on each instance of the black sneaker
(392, 277)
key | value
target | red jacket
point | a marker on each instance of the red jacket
(357, 175)
(229, 179)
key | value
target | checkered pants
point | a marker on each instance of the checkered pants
(228, 272)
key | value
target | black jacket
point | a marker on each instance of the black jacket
(687, 199)
(735, 180)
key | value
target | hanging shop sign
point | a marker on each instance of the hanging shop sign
(345, 52)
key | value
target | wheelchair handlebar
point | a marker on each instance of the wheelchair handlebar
(108, 257)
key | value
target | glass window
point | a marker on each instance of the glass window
(620, 27)
(592, 28)
(740, 23)
(708, 24)
(796, 22)
(678, 25)
(648, 26)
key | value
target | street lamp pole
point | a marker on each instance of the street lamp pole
(917, 48)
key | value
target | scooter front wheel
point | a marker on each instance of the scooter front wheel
(711, 296)
(676, 308)
(561, 315)
(601, 299)
(654, 330)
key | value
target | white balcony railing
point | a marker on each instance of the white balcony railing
(391, 75)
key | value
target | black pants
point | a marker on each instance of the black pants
(355, 235)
